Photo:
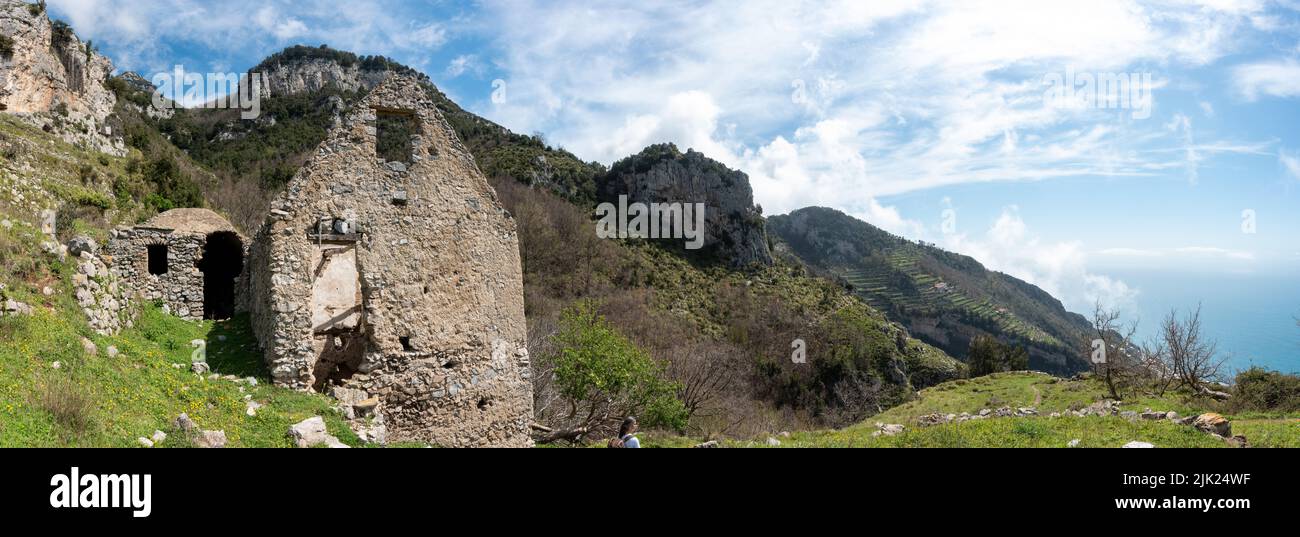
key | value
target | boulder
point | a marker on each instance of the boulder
(158, 437)
(82, 244)
(1238, 441)
(773, 442)
(1138, 445)
(145, 441)
(367, 406)
(184, 423)
(1149, 415)
(210, 439)
(1073, 443)
(889, 429)
(708, 445)
(312, 432)
(88, 347)
(1214, 424)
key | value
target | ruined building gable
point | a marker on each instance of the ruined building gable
(388, 271)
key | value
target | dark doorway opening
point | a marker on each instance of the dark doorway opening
(157, 255)
(222, 261)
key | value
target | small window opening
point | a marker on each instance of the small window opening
(393, 132)
(406, 343)
(157, 254)
(483, 403)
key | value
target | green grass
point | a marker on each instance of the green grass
(1023, 390)
(109, 402)
(1036, 432)
(97, 401)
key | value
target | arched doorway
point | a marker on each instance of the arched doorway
(222, 261)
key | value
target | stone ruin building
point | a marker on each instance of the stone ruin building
(192, 260)
(388, 275)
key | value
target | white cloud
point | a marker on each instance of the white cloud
(1290, 162)
(152, 36)
(1278, 78)
(1130, 252)
(840, 103)
(1210, 251)
(460, 64)
(1060, 268)
(1185, 251)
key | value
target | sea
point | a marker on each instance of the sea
(1253, 317)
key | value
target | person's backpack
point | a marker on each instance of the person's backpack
(616, 443)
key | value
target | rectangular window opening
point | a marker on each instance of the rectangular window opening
(157, 254)
(393, 131)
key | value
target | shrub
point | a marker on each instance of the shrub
(988, 356)
(1261, 390)
(603, 377)
(172, 187)
(6, 46)
(67, 403)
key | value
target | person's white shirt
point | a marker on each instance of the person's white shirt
(630, 441)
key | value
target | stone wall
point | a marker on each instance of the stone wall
(437, 337)
(180, 289)
(100, 295)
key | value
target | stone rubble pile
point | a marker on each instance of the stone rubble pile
(1209, 423)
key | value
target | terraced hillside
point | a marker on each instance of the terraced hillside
(942, 298)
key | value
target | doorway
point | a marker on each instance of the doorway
(221, 264)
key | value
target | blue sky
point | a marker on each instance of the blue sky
(908, 114)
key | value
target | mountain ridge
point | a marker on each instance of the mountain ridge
(943, 297)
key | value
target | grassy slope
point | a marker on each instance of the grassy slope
(96, 400)
(1022, 389)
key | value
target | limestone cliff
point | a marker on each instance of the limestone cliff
(51, 79)
(734, 228)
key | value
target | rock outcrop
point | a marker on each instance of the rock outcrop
(53, 80)
(735, 232)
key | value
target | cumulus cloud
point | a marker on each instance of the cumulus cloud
(841, 103)
(1060, 268)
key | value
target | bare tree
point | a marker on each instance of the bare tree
(1122, 360)
(705, 371)
(1191, 356)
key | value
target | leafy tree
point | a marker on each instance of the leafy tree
(600, 377)
(172, 187)
(988, 356)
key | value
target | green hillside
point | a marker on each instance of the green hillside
(55, 393)
(943, 298)
(1046, 395)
